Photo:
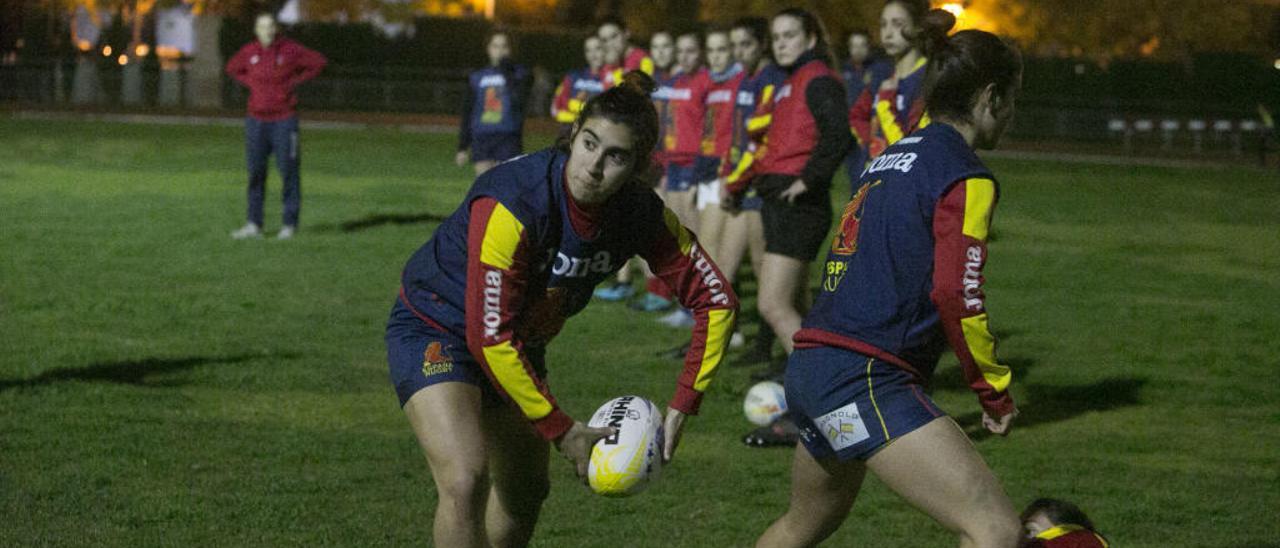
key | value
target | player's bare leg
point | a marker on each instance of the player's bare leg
(937, 469)
(446, 420)
(821, 495)
(780, 280)
(518, 459)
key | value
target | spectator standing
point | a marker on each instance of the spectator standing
(272, 67)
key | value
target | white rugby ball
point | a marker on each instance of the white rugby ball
(765, 402)
(626, 462)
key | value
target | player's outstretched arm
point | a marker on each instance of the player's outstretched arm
(961, 222)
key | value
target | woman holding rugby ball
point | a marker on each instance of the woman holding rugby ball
(479, 302)
(903, 278)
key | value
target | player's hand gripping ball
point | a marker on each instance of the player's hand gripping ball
(628, 461)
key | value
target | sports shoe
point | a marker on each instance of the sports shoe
(617, 291)
(249, 230)
(286, 232)
(650, 303)
(782, 433)
(737, 340)
(678, 319)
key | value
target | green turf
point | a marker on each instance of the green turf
(163, 384)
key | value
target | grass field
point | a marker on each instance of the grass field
(161, 384)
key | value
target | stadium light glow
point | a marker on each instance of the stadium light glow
(1277, 65)
(106, 51)
(84, 45)
(142, 50)
(123, 59)
(956, 8)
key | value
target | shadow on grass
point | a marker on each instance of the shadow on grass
(1047, 404)
(951, 379)
(134, 372)
(379, 219)
(1254, 544)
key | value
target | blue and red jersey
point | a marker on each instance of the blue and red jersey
(904, 274)
(271, 73)
(573, 93)
(496, 98)
(717, 128)
(1066, 536)
(681, 116)
(751, 121)
(867, 75)
(519, 257)
(636, 59)
(885, 113)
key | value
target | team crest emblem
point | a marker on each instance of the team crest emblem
(846, 241)
(436, 360)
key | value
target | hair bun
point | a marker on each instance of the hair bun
(938, 22)
(638, 82)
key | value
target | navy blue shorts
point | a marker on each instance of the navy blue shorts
(705, 168)
(496, 147)
(419, 355)
(848, 405)
(680, 178)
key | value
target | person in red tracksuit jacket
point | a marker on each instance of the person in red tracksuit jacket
(272, 67)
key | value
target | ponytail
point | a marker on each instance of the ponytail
(964, 65)
(629, 104)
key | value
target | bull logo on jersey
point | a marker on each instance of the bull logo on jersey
(846, 240)
(436, 359)
(493, 107)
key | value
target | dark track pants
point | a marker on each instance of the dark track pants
(261, 140)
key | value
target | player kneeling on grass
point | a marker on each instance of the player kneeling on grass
(904, 274)
(480, 301)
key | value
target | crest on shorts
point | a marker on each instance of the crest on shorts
(843, 427)
(436, 359)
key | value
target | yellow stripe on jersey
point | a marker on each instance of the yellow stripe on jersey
(766, 94)
(504, 362)
(646, 66)
(979, 199)
(925, 120)
(501, 238)
(682, 236)
(757, 123)
(888, 123)
(744, 164)
(566, 116)
(982, 346)
(1057, 531)
(719, 329)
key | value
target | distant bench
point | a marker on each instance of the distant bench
(1220, 130)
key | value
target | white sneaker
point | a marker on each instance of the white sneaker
(678, 318)
(249, 230)
(286, 232)
(737, 340)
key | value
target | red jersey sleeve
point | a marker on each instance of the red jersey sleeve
(238, 66)
(960, 225)
(308, 63)
(860, 116)
(497, 268)
(560, 110)
(697, 283)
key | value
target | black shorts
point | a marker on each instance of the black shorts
(797, 230)
(496, 147)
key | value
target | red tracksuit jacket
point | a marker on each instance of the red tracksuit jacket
(271, 73)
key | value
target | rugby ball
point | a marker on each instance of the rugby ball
(765, 402)
(626, 462)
